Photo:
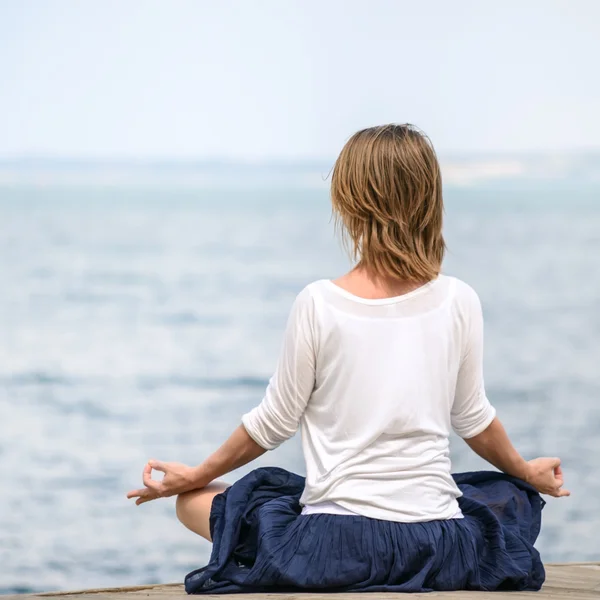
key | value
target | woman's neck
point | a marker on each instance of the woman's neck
(364, 284)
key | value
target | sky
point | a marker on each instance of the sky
(293, 79)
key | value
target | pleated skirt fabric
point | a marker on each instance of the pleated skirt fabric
(261, 542)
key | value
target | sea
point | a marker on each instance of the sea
(141, 322)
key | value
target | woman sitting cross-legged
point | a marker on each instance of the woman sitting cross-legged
(377, 367)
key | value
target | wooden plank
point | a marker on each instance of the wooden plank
(575, 581)
(578, 577)
(116, 590)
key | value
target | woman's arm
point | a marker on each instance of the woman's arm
(237, 451)
(493, 445)
(474, 418)
(277, 417)
(272, 422)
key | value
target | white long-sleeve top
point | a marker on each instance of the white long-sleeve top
(376, 386)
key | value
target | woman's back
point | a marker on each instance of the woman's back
(375, 391)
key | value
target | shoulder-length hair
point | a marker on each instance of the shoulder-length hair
(386, 192)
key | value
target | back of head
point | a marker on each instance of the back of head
(386, 190)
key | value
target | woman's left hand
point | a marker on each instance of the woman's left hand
(178, 478)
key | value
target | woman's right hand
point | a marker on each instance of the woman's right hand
(546, 476)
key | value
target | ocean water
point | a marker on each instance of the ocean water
(141, 323)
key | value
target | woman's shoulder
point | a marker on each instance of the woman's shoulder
(306, 299)
(464, 296)
(461, 288)
(312, 290)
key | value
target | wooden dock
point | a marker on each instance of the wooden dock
(573, 581)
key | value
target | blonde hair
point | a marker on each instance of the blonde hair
(386, 191)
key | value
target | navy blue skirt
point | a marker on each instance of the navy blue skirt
(261, 542)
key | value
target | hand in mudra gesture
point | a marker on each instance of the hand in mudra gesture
(178, 478)
(546, 476)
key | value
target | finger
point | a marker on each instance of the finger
(142, 493)
(158, 465)
(563, 493)
(148, 481)
(558, 471)
(147, 477)
(555, 462)
(146, 499)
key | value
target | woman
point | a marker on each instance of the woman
(376, 368)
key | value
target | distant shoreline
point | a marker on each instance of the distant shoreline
(579, 168)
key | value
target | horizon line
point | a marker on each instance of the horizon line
(33, 157)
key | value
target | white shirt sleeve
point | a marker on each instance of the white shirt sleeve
(277, 417)
(471, 411)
